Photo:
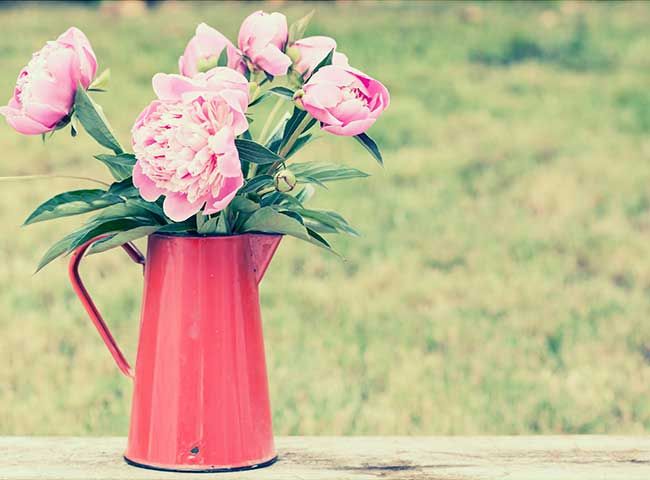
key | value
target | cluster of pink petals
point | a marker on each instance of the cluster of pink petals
(313, 50)
(263, 38)
(45, 89)
(346, 101)
(206, 47)
(184, 142)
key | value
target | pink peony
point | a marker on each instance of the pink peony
(184, 142)
(262, 38)
(203, 51)
(310, 51)
(346, 101)
(45, 89)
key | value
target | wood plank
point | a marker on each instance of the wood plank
(355, 458)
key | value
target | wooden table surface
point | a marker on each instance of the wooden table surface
(354, 458)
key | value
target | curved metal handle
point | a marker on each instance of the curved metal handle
(89, 305)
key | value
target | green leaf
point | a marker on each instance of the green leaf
(324, 62)
(318, 227)
(100, 84)
(129, 210)
(74, 125)
(152, 207)
(253, 152)
(292, 124)
(120, 166)
(370, 145)
(243, 204)
(307, 172)
(330, 219)
(223, 58)
(270, 198)
(101, 227)
(92, 118)
(256, 183)
(323, 243)
(297, 28)
(286, 199)
(72, 203)
(275, 139)
(61, 247)
(306, 194)
(223, 227)
(182, 227)
(282, 92)
(205, 224)
(123, 237)
(268, 220)
(124, 188)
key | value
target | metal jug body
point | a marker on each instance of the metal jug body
(200, 398)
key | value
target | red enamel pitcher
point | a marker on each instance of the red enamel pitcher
(200, 399)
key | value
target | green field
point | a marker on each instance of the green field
(501, 283)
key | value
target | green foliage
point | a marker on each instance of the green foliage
(120, 166)
(324, 62)
(297, 28)
(253, 152)
(100, 84)
(370, 145)
(320, 172)
(119, 239)
(72, 203)
(223, 58)
(269, 220)
(92, 118)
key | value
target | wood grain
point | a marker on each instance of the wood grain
(355, 458)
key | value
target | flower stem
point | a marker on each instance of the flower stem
(269, 121)
(294, 136)
(265, 131)
(18, 178)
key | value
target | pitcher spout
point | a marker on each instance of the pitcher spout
(262, 248)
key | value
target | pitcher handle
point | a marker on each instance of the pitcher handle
(89, 305)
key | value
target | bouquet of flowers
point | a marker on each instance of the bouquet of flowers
(195, 168)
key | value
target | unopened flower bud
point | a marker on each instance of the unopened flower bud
(293, 53)
(297, 98)
(284, 181)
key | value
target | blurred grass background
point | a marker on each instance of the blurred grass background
(501, 284)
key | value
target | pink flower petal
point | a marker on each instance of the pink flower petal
(178, 208)
(47, 115)
(171, 87)
(145, 185)
(322, 95)
(228, 191)
(25, 125)
(273, 61)
(353, 128)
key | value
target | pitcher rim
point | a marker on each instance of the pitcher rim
(208, 236)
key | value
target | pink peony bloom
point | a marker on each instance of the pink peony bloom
(45, 89)
(310, 51)
(262, 38)
(203, 51)
(346, 101)
(223, 82)
(184, 142)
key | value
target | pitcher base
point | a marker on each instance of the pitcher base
(199, 468)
